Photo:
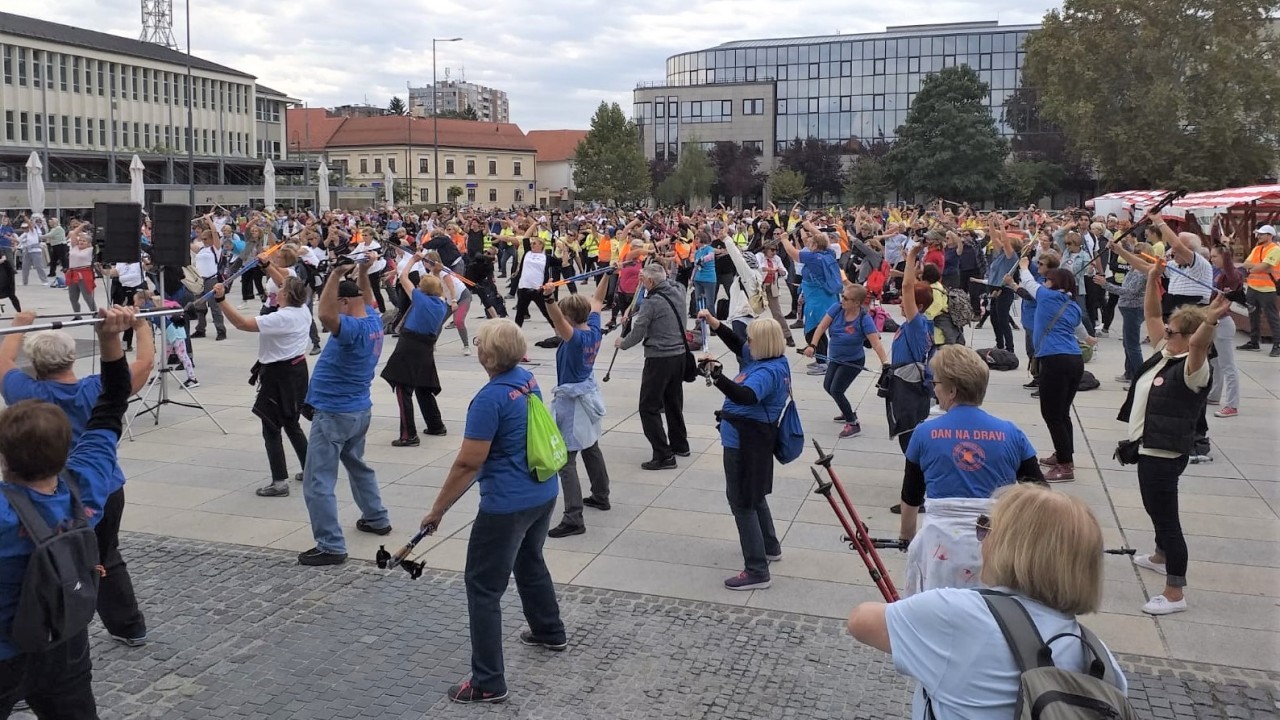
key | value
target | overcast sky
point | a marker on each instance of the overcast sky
(555, 64)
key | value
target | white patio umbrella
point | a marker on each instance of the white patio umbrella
(324, 186)
(137, 187)
(389, 187)
(35, 183)
(269, 185)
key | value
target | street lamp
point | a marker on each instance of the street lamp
(435, 115)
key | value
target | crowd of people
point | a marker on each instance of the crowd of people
(670, 279)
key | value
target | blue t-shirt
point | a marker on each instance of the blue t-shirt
(576, 357)
(93, 462)
(770, 380)
(342, 377)
(7, 235)
(1060, 337)
(426, 313)
(949, 641)
(968, 453)
(76, 399)
(912, 341)
(847, 334)
(705, 261)
(1000, 266)
(498, 415)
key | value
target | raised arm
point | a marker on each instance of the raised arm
(144, 361)
(1152, 311)
(362, 278)
(909, 307)
(563, 328)
(13, 342)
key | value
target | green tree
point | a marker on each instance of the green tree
(1163, 92)
(453, 193)
(787, 186)
(609, 164)
(467, 113)
(737, 170)
(868, 181)
(1026, 181)
(396, 107)
(819, 162)
(692, 178)
(948, 147)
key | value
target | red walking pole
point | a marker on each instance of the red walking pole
(855, 530)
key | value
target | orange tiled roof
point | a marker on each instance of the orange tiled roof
(556, 145)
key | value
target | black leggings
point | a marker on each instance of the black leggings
(430, 410)
(820, 347)
(271, 435)
(525, 296)
(251, 282)
(1158, 483)
(117, 604)
(375, 282)
(1059, 380)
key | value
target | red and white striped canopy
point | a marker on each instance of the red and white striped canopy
(1125, 201)
(1266, 197)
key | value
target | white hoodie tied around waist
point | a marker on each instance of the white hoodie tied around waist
(579, 412)
(945, 553)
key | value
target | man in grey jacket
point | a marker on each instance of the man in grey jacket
(660, 326)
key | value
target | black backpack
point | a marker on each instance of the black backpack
(59, 592)
(1088, 382)
(998, 359)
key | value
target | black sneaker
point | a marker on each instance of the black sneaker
(411, 441)
(438, 432)
(364, 526)
(467, 693)
(316, 557)
(1033, 384)
(279, 488)
(593, 502)
(663, 464)
(1275, 351)
(528, 638)
(132, 642)
(682, 453)
(1251, 345)
(897, 509)
(220, 337)
(197, 334)
(1035, 394)
(746, 581)
(565, 530)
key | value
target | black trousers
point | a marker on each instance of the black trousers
(525, 296)
(251, 282)
(117, 605)
(1158, 483)
(662, 393)
(430, 410)
(57, 256)
(276, 459)
(1059, 381)
(55, 683)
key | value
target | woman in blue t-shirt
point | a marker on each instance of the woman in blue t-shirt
(1061, 363)
(753, 403)
(820, 283)
(904, 383)
(850, 327)
(704, 274)
(411, 370)
(515, 513)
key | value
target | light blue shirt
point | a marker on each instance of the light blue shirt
(949, 641)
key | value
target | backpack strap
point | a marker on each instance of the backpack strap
(1095, 655)
(31, 518)
(1028, 648)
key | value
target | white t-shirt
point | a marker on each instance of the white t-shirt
(1200, 270)
(129, 274)
(949, 641)
(273, 289)
(206, 262)
(1142, 393)
(284, 334)
(455, 283)
(533, 272)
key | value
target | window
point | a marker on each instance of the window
(493, 167)
(133, 84)
(813, 105)
(62, 73)
(448, 166)
(423, 196)
(673, 109)
(423, 165)
(515, 168)
(10, 132)
(846, 68)
(984, 61)
(726, 108)
(782, 73)
(23, 126)
(814, 71)
(137, 137)
(102, 132)
(877, 67)
(782, 107)
(471, 195)
(877, 102)
(146, 85)
(364, 166)
(66, 129)
(8, 66)
(753, 107)
(757, 145)
(695, 109)
(471, 167)
(35, 69)
(39, 128)
(493, 195)
(22, 68)
(377, 166)
(519, 197)
(75, 75)
(88, 127)
(155, 85)
(391, 164)
(102, 80)
(146, 137)
(660, 108)
(846, 103)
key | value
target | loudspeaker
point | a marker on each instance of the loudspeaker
(120, 227)
(171, 234)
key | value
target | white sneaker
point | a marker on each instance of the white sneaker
(466, 350)
(1161, 605)
(1145, 561)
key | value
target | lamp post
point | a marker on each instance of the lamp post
(435, 116)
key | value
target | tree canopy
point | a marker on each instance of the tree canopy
(819, 163)
(1163, 92)
(737, 172)
(397, 107)
(948, 147)
(787, 186)
(691, 180)
(609, 164)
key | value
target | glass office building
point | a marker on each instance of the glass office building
(834, 88)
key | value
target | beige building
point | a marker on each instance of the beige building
(556, 150)
(493, 164)
(740, 112)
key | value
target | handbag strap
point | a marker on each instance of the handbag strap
(1044, 333)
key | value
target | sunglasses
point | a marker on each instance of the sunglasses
(1171, 332)
(982, 528)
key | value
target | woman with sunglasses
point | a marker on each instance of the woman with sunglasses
(958, 460)
(1042, 548)
(1165, 401)
(851, 331)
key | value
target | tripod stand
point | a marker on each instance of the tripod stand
(160, 386)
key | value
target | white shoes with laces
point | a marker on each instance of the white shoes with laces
(1145, 561)
(1161, 605)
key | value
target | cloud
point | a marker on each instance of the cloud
(556, 61)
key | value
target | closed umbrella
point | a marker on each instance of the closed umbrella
(35, 184)
(269, 185)
(324, 186)
(389, 187)
(137, 188)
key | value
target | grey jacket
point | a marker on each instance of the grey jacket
(1132, 292)
(654, 323)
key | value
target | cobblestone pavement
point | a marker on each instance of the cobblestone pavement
(240, 632)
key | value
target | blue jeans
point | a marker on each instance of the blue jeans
(339, 437)
(499, 545)
(705, 293)
(837, 381)
(1132, 318)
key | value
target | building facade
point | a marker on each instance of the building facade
(836, 88)
(556, 150)
(88, 101)
(490, 104)
(492, 164)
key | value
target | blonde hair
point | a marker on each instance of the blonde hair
(288, 255)
(500, 345)
(1046, 545)
(963, 370)
(576, 308)
(51, 352)
(859, 292)
(821, 243)
(431, 285)
(1187, 319)
(765, 337)
(294, 292)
